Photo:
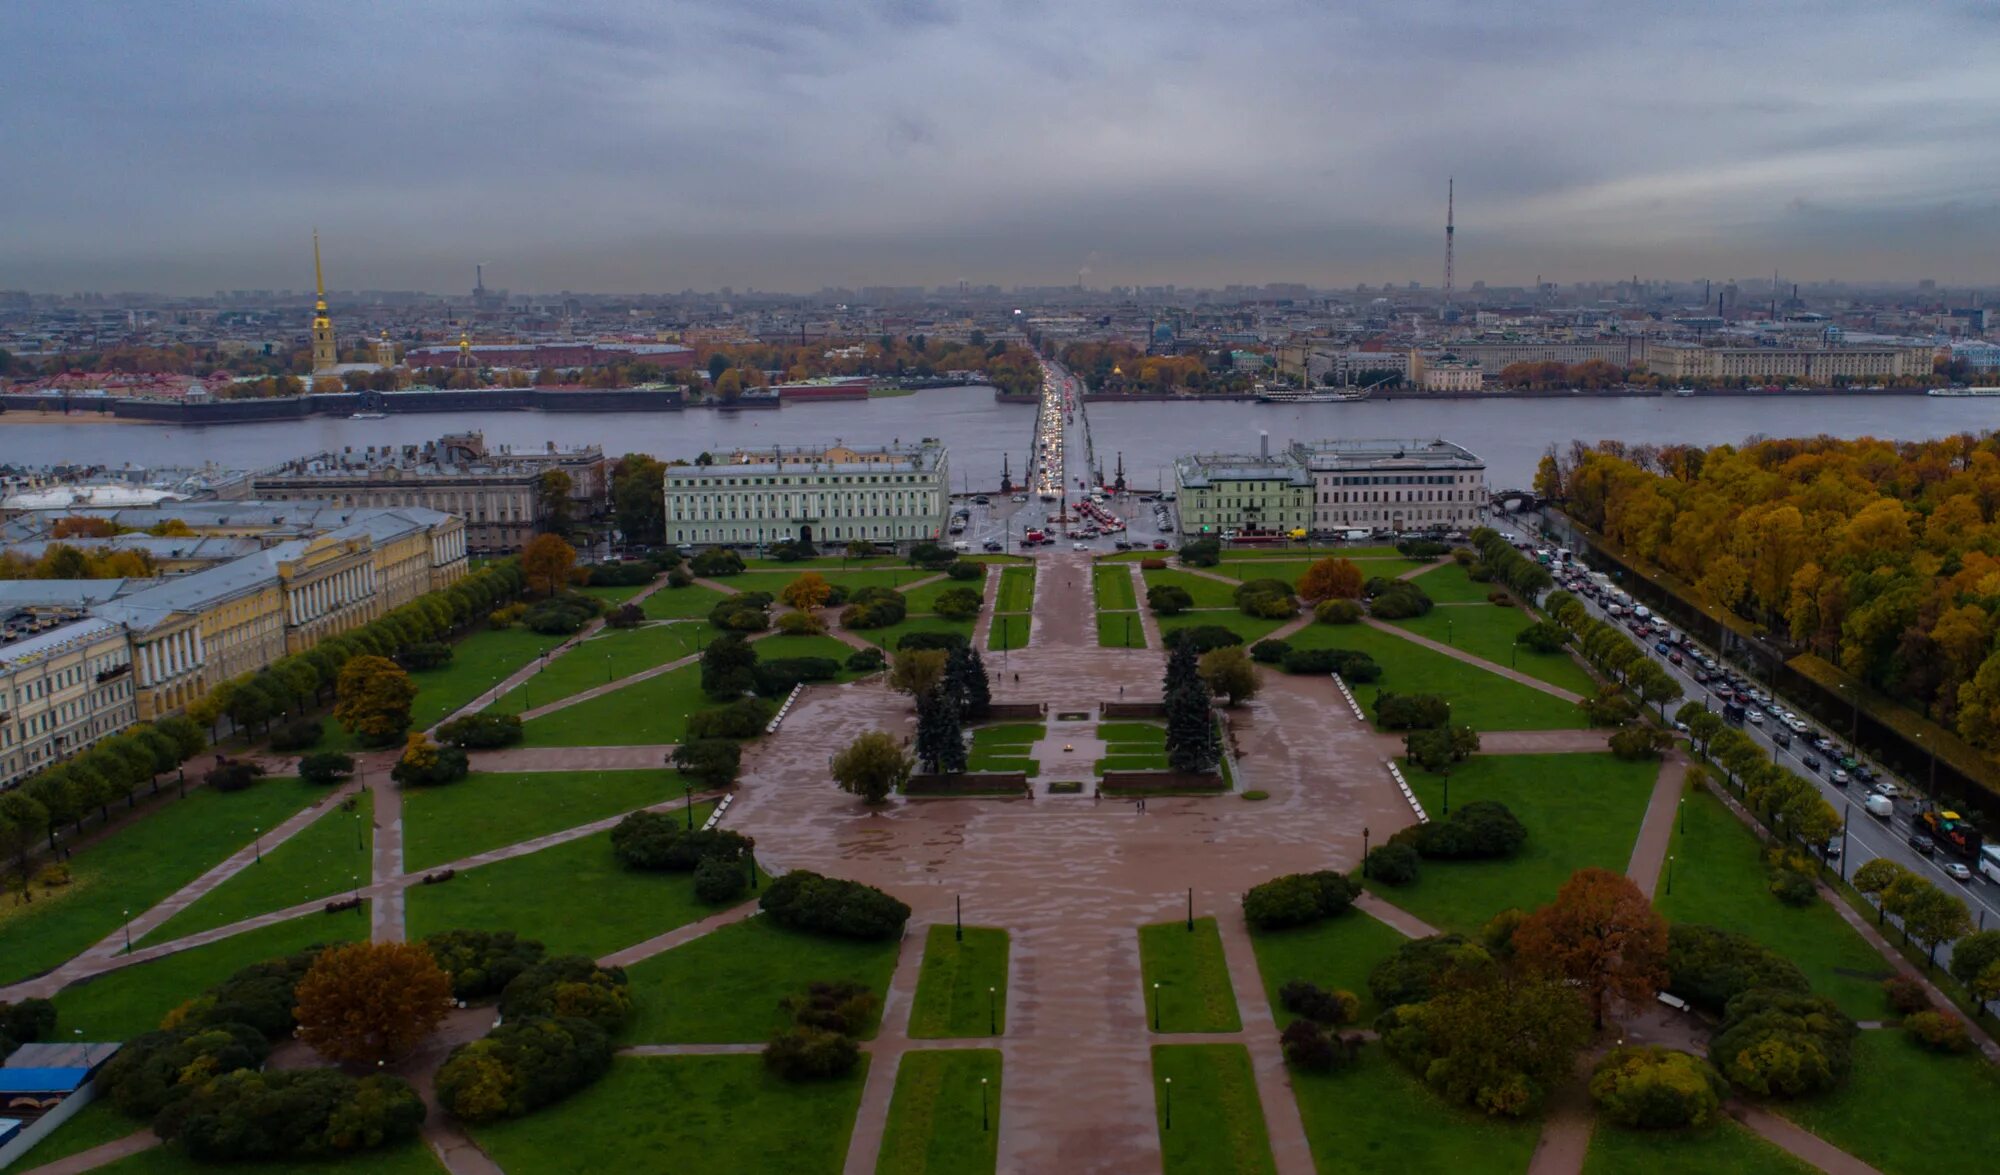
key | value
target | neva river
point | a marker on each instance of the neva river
(1510, 434)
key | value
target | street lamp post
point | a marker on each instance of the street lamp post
(1170, 1103)
(993, 1011)
(1670, 873)
(128, 932)
(985, 1123)
(1190, 909)
(1156, 1007)
(958, 918)
(1681, 815)
(1846, 814)
(257, 840)
(1447, 795)
(689, 793)
(1364, 850)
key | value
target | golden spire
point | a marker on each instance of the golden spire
(319, 280)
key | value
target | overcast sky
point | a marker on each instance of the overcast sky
(641, 145)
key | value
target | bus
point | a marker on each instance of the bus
(1989, 862)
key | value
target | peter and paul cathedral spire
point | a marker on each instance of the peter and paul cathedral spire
(325, 355)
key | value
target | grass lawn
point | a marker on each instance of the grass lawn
(1147, 734)
(952, 997)
(1290, 570)
(540, 896)
(1488, 630)
(1120, 630)
(724, 987)
(1727, 1149)
(1250, 628)
(1486, 701)
(1192, 976)
(832, 648)
(1385, 551)
(323, 860)
(936, 1123)
(1578, 809)
(650, 711)
(1449, 584)
(690, 1115)
(1017, 590)
(1113, 586)
(923, 600)
(1008, 632)
(611, 654)
(888, 636)
(1217, 1122)
(121, 1004)
(406, 1158)
(492, 810)
(614, 595)
(822, 563)
(891, 576)
(1373, 1118)
(672, 603)
(478, 663)
(1132, 746)
(136, 866)
(1907, 1111)
(92, 1126)
(1335, 954)
(1207, 592)
(1719, 879)
(1004, 747)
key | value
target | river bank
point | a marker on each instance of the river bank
(39, 416)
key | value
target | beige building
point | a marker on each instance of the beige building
(498, 494)
(1447, 375)
(60, 691)
(1817, 366)
(1413, 484)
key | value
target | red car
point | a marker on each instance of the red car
(1159, 544)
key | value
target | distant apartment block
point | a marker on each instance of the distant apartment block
(895, 494)
(497, 493)
(1685, 362)
(61, 689)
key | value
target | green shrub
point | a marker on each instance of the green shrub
(233, 775)
(1308, 1045)
(740, 719)
(776, 677)
(482, 963)
(1255, 793)
(1392, 864)
(1394, 711)
(1269, 652)
(801, 624)
(521, 1066)
(958, 603)
(297, 736)
(1781, 1044)
(1906, 996)
(811, 1054)
(866, 661)
(718, 880)
(662, 842)
(716, 561)
(948, 641)
(155, 1068)
(1297, 899)
(569, 986)
(325, 768)
(1708, 967)
(1654, 1088)
(1356, 667)
(482, 732)
(1411, 973)
(1202, 638)
(290, 1113)
(1315, 1003)
(966, 569)
(1201, 552)
(424, 655)
(1477, 830)
(1940, 1032)
(1168, 599)
(803, 900)
(1338, 611)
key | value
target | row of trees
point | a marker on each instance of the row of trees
(62, 561)
(1880, 556)
(1121, 367)
(112, 769)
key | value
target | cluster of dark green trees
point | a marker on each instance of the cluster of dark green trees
(1192, 745)
(1526, 577)
(960, 695)
(557, 1017)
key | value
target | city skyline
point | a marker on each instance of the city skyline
(776, 146)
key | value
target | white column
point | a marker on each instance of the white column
(146, 674)
(200, 653)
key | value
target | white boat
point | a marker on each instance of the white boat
(369, 416)
(1683, 391)
(1304, 396)
(1963, 392)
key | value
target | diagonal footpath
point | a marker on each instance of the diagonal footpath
(1493, 667)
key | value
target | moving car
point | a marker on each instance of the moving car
(1923, 844)
(1888, 789)
(1958, 872)
(1839, 777)
(1811, 763)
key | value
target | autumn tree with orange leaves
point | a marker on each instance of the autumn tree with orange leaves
(546, 563)
(1330, 579)
(371, 1001)
(1600, 934)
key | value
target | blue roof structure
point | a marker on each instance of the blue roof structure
(41, 1080)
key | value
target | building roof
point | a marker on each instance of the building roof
(1203, 469)
(13, 1080)
(55, 642)
(60, 497)
(164, 599)
(60, 593)
(1353, 453)
(212, 547)
(62, 1054)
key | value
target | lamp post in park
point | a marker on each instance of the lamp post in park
(1156, 1007)
(992, 1011)
(985, 1123)
(1170, 1103)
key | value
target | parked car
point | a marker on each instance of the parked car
(1159, 544)
(1888, 789)
(1756, 717)
(1839, 777)
(1811, 763)
(1922, 844)
(994, 545)
(1958, 872)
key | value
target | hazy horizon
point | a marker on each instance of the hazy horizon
(786, 146)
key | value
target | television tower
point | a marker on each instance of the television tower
(1450, 195)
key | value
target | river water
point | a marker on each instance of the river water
(1510, 434)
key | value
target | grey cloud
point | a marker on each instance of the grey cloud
(626, 144)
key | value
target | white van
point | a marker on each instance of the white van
(1880, 807)
(961, 547)
(1356, 536)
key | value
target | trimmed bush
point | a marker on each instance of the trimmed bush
(325, 768)
(1708, 967)
(569, 985)
(1338, 612)
(290, 1113)
(1201, 552)
(661, 842)
(1906, 996)
(482, 963)
(297, 736)
(155, 1068)
(1395, 599)
(1780, 1044)
(424, 655)
(1167, 599)
(866, 661)
(776, 677)
(1477, 830)
(1410, 975)
(1940, 1032)
(233, 775)
(811, 1054)
(1394, 711)
(801, 624)
(959, 603)
(718, 879)
(803, 900)
(966, 569)
(481, 732)
(846, 1008)
(947, 641)
(1392, 864)
(1355, 666)
(1317, 1004)
(521, 1066)
(1269, 652)
(1308, 1045)
(740, 719)
(1297, 899)
(1654, 1088)
(1202, 638)
(716, 561)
